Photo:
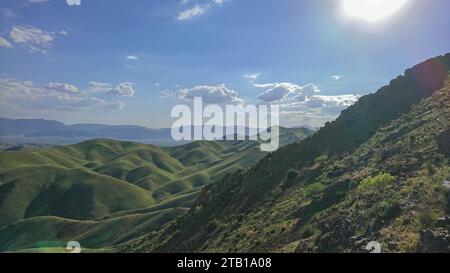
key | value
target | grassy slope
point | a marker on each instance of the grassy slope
(108, 188)
(307, 196)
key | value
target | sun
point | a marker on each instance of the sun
(372, 10)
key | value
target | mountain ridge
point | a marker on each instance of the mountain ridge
(318, 169)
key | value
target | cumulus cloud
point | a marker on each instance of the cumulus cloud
(304, 104)
(5, 43)
(26, 96)
(33, 38)
(32, 35)
(316, 110)
(63, 87)
(331, 104)
(100, 86)
(286, 91)
(210, 93)
(124, 89)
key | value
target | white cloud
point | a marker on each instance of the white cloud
(100, 86)
(337, 77)
(209, 93)
(32, 35)
(303, 105)
(252, 77)
(195, 8)
(73, 2)
(286, 91)
(63, 87)
(34, 38)
(132, 58)
(190, 13)
(124, 89)
(5, 43)
(219, 2)
(315, 111)
(27, 97)
(332, 104)
(37, 1)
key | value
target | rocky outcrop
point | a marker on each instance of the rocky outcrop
(444, 142)
(436, 240)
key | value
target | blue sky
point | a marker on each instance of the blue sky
(129, 62)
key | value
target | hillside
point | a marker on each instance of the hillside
(104, 192)
(379, 172)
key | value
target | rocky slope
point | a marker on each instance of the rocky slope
(378, 173)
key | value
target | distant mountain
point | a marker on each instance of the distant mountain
(39, 131)
(379, 172)
(18, 131)
(105, 192)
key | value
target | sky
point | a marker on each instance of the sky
(130, 62)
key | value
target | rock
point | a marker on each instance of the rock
(446, 184)
(441, 222)
(392, 245)
(435, 241)
(325, 240)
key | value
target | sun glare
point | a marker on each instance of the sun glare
(372, 10)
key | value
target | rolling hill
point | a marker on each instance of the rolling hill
(104, 192)
(379, 172)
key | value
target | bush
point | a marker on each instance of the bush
(321, 159)
(429, 166)
(427, 219)
(292, 174)
(212, 226)
(376, 183)
(314, 189)
(307, 231)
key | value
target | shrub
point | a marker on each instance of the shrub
(292, 174)
(212, 226)
(427, 219)
(314, 189)
(307, 231)
(429, 166)
(376, 183)
(321, 159)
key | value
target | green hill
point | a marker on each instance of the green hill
(104, 192)
(377, 173)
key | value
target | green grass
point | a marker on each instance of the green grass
(105, 192)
